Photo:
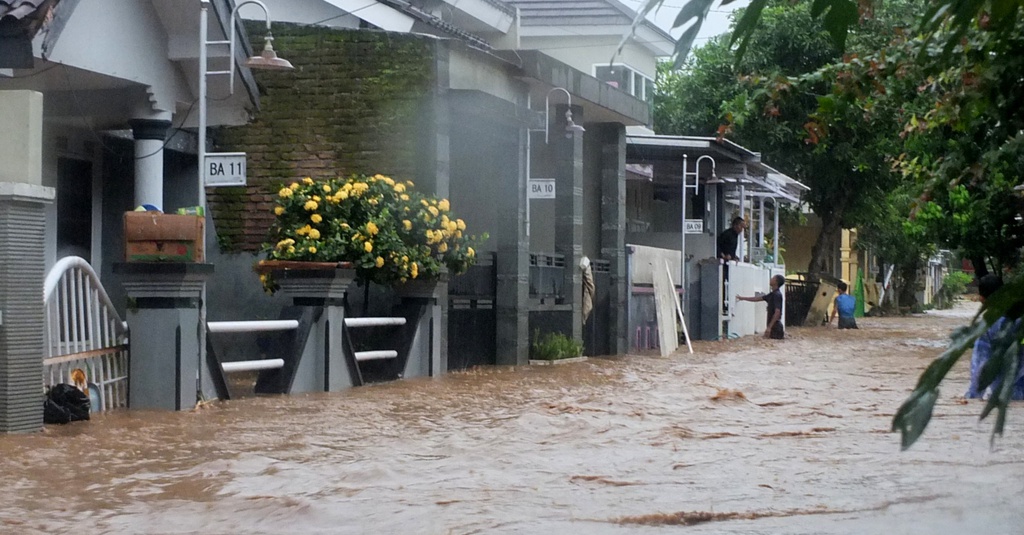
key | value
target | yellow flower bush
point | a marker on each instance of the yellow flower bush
(388, 231)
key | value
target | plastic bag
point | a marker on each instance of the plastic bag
(64, 403)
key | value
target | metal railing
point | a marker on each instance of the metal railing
(83, 331)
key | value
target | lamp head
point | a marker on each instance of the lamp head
(268, 60)
(571, 127)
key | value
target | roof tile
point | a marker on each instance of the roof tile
(20, 9)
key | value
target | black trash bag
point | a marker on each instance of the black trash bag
(64, 403)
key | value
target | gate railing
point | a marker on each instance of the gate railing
(83, 331)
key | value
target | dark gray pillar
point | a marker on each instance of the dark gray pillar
(567, 155)
(711, 313)
(166, 317)
(439, 144)
(613, 228)
(513, 264)
(428, 349)
(323, 366)
(22, 269)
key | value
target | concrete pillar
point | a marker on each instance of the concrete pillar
(23, 222)
(166, 315)
(323, 366)
(513, 262)
(760, 224)
(22, 269)
(567, 151)
(848, 255)
(613, 228)
(150, 136)
(428, 348)
(437, 146)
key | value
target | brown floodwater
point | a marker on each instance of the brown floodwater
(745, 436)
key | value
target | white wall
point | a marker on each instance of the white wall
(21, 139)
(582, 52)
(125, 39)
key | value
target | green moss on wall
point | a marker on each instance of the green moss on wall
(358, 101)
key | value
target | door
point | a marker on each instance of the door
(74, 208)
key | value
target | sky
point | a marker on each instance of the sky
(717, 22)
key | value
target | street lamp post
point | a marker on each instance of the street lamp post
(570, 126)
(682, 239)
(267, 60)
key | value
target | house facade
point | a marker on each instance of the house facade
(99, 103)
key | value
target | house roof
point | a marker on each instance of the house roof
(32, 13)
(582, 13)
(736, 164)
(436, 23)
(20, 9)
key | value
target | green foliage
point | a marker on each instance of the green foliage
(554, 346)
(914, 414)
(946, 100)
(942, 22)
(954, 284)
(784, 99)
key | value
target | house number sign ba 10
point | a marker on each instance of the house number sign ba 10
(224, 169)
(542, 188)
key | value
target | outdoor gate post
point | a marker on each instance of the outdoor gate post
(22, 269)
(23, 201)
(166, 316)
(428, 349)
(323, 366)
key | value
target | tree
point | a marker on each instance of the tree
(778, 100)
(967, 55)
(898, 240)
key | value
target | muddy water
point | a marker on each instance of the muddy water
(746, 436)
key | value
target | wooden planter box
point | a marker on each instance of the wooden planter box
(157, 237)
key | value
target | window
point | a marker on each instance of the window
(626, 79)
(614, 75)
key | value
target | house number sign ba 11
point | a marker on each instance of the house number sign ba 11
(224, 169)
(542, 188)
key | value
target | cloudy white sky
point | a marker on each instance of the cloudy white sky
(716, 23)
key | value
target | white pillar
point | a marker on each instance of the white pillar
(21, 140)
(760, 225)
(775, 236)
(742, 213)
(150, 136)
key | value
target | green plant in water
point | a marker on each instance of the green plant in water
(554, 346)
(954, 284)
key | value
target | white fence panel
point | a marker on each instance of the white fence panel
(84, 332)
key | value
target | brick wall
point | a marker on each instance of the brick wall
(358, 101)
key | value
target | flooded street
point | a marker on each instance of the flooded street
(746, 436)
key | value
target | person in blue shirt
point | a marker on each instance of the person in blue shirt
(987, 286)
(844, 306)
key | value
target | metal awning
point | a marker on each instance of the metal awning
(735, 165)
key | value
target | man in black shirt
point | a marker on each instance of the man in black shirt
(729, 238)
(774, 329)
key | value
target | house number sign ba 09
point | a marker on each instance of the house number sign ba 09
(224, 169)
(694, 226)
(542, 188)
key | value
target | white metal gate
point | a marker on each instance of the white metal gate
(83, 331)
